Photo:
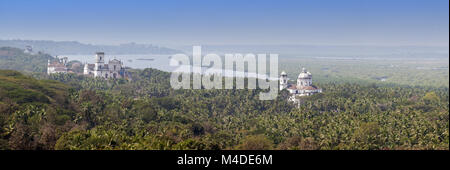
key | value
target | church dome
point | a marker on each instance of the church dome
(304, 74)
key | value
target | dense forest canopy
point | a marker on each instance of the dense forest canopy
(69, 111)
(380, 70)
(148, 114)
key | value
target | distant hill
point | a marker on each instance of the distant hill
(353, 51)
(74, 47)
(17, 59)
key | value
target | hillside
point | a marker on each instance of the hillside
(147, 114)
(16, 59)
(22, 89)
(31, 111)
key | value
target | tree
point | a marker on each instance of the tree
(259, 142)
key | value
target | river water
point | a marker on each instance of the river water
(160, 62)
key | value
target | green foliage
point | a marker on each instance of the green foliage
(431, 97)
(298, 143)
(23, 89)
(410, 71)
(259, 142)
(147, 114)
(33, 113)
(16, 59)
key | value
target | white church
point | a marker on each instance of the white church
(304, 86)
(114, 69)
(59, 65)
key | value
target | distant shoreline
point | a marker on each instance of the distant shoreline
(146, 59)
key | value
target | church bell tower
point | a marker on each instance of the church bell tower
(99, 63)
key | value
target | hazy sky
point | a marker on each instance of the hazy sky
(379, 22)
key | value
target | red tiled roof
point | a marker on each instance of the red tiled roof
(60, 69)
(56, 64)
(294, 87)
(91, 66)
(309, 88)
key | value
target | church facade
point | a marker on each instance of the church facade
(304, 86)
(114, 69)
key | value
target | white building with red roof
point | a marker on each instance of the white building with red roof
(58, 66)
(304, 86)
